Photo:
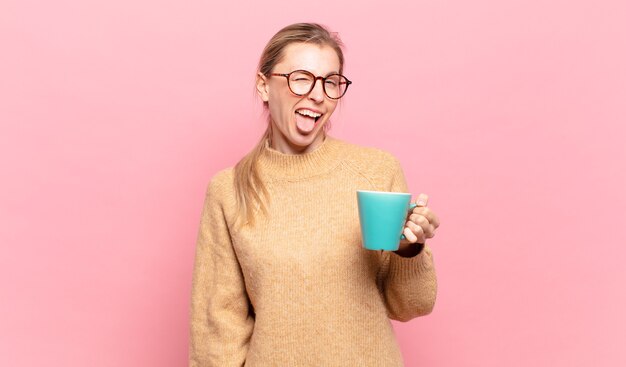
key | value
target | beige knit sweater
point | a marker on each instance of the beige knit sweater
(297, 289)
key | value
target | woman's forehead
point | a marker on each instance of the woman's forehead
(318, 59)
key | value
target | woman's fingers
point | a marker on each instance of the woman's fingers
(421, 200)
(424, 224)
(410, 236)
(416, 231)
(428, 214)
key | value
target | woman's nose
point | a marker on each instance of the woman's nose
(317, 93)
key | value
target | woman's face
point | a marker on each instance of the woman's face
(293, 132)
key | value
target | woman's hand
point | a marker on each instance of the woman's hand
(421, 224)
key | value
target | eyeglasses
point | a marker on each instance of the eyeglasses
(302, 82)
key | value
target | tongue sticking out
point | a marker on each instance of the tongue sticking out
(304, 123)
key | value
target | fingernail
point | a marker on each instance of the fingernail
(420, 202)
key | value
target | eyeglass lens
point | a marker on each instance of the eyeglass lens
(302, 83)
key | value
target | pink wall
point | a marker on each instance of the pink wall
(509, 114)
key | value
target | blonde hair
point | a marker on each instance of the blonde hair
(250, 191)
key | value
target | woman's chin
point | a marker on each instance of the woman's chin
(303, 140)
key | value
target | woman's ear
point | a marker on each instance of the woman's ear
(262, 87)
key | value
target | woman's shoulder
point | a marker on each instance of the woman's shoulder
(224, 175)
(220, 181)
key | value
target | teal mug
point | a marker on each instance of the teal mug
(382, 216)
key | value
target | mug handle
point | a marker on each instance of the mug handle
(411, 206)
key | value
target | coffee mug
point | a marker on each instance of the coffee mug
(382, 215)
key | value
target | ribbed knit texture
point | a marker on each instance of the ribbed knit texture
(297, 288)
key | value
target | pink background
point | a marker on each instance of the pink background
(509, 114)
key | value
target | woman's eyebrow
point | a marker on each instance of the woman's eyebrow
(327, 74)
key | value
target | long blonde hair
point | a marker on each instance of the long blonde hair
(250, 190)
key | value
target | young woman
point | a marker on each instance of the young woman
(280, 276)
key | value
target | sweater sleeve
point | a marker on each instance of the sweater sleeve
(409, 285)
(221, 320)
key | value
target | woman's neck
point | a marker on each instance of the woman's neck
(282, 144)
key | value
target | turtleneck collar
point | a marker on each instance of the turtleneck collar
(280, 165)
